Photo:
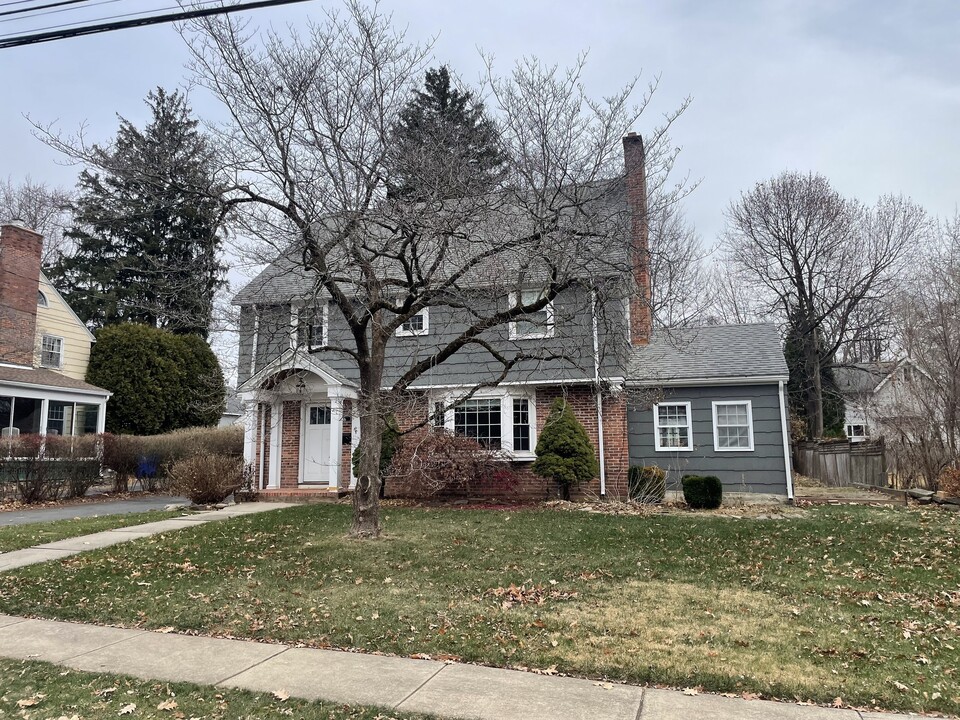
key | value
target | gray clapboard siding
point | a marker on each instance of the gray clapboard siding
(572, 343)
(760, 470)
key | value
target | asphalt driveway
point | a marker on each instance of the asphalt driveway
(25, 516)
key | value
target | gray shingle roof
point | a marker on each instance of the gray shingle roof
(709, 352)
(862, 378)
(47, 378)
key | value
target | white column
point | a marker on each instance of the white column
(276, 421)
(101, 417)
(336, 436)
(249, 431)
(44, 409)
(354, 440)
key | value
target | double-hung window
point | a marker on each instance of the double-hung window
(533, 325)
(732, 426)
(857, 431)
(314, 321)
(51, 352)
(498, 422)
(672, 427)
(418, 324)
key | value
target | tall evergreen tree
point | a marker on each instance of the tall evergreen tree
(147, 226)
(801, 389)
(446, 146)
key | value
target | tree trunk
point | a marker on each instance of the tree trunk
(366, 495)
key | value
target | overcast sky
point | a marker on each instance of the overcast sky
(866, 92)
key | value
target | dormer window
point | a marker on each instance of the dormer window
(418, 324)
(316, 318)
(534, 325)
(42, 299)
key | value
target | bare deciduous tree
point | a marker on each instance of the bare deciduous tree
(815, 259)
(923, 427)
(310, 144)
(41, 208)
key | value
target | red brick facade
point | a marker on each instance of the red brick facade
(290, 444)
(522, 482)
(19, 284)
(641, 315)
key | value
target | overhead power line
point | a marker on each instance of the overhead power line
(49, 36)
(19, 14)
(35, 8)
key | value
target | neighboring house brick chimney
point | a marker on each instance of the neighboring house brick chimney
(641, 315)
(19, 285)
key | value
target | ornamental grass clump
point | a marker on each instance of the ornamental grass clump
(564, 452)
(206, 478)
(647, 484)
(702, 492)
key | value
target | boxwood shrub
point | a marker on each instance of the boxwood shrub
(702, 492)
(647, 484)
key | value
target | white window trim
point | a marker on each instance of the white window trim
(42, 299)
(716, 429)
(506, 398)
(547, 332)
(656, 428)
(47, 336)
(425, 314)
(254, 341)
(856, 438)
(295, 327)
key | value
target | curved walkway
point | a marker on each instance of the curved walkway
(448, 690)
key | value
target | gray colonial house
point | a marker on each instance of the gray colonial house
(700, 400)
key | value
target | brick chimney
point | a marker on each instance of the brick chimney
(19, 284)
(641, 315)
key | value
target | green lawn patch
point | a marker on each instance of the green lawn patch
(38, 689)
(18, 537)
(857, 603)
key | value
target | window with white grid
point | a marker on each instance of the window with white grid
(732, 426)
(672, 426)
(51, 352)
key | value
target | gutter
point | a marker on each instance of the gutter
(596, 379)
(786, 443)
(709, 381)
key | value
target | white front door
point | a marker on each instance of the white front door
(316, 445)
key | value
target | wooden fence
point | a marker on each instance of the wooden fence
(840, 463)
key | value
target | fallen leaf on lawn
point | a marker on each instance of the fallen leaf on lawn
(28, 702)
(281, 695)
(604, 685)
(105, 691)
(691, 691)
(167, 705)
(838, 702)
(166, 630)
(900, 686)
(128, 709)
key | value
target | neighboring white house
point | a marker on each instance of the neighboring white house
(875, 394)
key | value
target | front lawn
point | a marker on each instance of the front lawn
(856, 603)
(17, 537)
(36, 689)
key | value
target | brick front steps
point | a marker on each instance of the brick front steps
(301, 495)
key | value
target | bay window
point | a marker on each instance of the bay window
(501, 421)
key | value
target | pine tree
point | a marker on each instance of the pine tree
(147, 226)
(446, 146)
(564, 452)
(800, 386)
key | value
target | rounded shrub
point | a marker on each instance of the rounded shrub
(564, 452)
(206, 478)
(702, 492)
(647, 484)
(160, 381)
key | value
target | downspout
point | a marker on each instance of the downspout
(596, 380)
(262, 439)
(786, 443)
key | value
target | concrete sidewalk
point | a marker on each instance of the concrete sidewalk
(72, 546)
(447, 690)
(98, 508)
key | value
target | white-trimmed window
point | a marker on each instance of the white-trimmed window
(51, 352)
(856, 431)
(498, 421)
(418, 324)
(732, 426)
(313, 322)
(42, 299)
(672, 427)
(535, 325)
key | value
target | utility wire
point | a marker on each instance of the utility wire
(41, 7)
(10, 41)
(20, 16)
(74, 23)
